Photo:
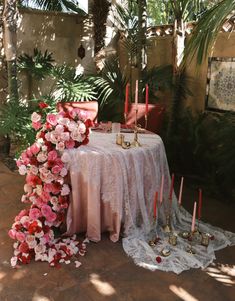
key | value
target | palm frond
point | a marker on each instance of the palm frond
(207, 29)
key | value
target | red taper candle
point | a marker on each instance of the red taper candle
(155, 206)
(146, 99)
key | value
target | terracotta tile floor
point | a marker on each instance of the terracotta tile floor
(106, 272)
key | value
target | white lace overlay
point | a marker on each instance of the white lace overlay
(128, 180)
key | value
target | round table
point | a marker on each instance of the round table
(112, 186)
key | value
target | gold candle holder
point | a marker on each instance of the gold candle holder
(167, 227)
(173, 239)
(146, 121)
(155, 239)
(125, 117)
(135, 142)
(119, 139)
(205, 239)
(190, 249)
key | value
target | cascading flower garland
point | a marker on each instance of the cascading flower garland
(46, 190)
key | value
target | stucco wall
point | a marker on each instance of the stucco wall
(59, 33)
(160, 53)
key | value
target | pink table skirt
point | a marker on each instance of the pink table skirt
(107, 181)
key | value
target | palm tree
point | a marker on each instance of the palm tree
(207, 29)
(9, 33)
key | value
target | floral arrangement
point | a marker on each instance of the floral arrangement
(46, 190)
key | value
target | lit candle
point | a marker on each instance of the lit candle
(181, 190)
(161, 190)
(155, 206)
(172, 185)
(146, 99)
(200, 204)
(136, 95)
(194, 217)
(126, 99)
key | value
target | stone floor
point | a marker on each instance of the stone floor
(106, 272)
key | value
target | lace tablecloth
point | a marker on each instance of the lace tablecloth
(114, 187)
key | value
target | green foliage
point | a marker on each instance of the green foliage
(204, 145)
(39, 65)
(70, 86)
(207, 29)
(51, 5)
(15, 122)
(165, 11)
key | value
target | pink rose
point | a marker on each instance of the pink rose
(60, 146)
(35, 117)
(82, 128)
(48, 187)
(70, 144)
(12, 233)
(35, 148)
(51, 118)
(20, 236)
(45, 196)
(41, 157)
(36, 125)
(65, 190)
(46, 210)
(51, 217)
(34, 170)
(52, 155)
(56, 169)
(65, 157)
(28, 188)
(63, 172)
(59, 129)
(31, 241)
(65, 136)
(22, 170)
(34, 213)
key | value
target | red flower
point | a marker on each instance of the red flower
(34, 228)
(33, 180)
(24, 248)
(158, 259)
(42, 105)
(88, 123)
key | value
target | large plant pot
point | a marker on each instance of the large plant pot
(155, 116)
(90, 106)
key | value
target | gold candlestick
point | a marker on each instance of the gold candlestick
(125, 117)
(190, 249)
(167, 227)
(146, 121)
(135, 142)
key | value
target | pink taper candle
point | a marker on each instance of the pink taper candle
(194, 217)
(172, 185)
(181, 190)
(126, 99)
(200, 204)
(146, 99)
(136, 94)
(161, 190)
(155, 206)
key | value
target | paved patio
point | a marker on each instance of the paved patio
(106, 272)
